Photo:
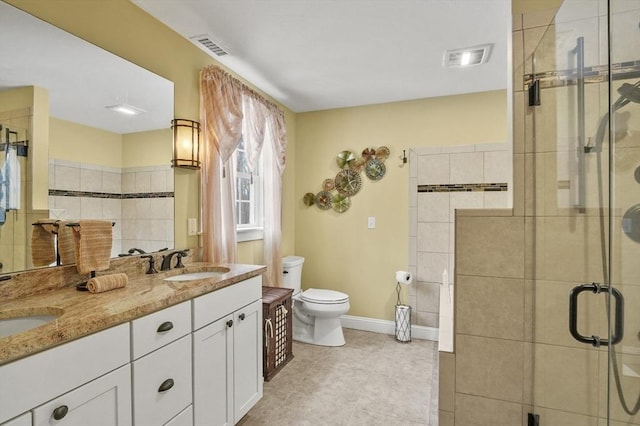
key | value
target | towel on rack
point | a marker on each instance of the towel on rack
(42, 242)
(66, 243)
(93, 239)
(10, 180)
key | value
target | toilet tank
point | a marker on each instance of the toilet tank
(292, 269)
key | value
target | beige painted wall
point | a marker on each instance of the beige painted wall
(84, 144)
(127, 31)
(341, 252)
(152, 148)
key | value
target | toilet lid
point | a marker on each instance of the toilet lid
(316, 295)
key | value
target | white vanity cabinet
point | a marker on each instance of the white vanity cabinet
(33, 381)
(162, 373)
(227, 353)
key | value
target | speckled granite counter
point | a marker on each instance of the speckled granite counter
(83, 313)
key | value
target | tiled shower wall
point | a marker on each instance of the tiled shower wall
(441, 180)
(140, 200)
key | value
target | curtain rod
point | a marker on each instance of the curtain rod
(246, 89)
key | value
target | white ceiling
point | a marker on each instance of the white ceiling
(81, 78)
(321, 54)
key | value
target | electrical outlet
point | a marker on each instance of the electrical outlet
(371, 222)
(192, 226)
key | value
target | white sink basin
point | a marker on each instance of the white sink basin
(195, 276)
(10, 326)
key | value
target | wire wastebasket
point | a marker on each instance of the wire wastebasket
(403, 323)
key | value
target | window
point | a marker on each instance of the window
(249, 216)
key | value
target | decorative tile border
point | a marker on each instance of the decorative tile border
(593, 74)
(64, 193)
(464, 187)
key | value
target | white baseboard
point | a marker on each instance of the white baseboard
(387, 327)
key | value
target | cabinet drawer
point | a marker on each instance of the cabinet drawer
(160, 328)
(183, 419)
(28, 382)
(215, 305)
(162, 383)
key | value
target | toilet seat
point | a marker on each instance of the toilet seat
(324, 297)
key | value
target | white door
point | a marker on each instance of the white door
(247, 351)
(104, 401)
(213, 374)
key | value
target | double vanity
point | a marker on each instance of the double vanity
(183, 347)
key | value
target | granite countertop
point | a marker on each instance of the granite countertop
(83, 313)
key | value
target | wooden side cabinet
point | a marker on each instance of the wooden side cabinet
(277, 313)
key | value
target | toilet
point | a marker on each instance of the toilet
(316, 312)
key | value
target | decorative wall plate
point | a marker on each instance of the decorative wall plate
(382, 153)
(309, 199)
(375, 169)
(344, 158)
(348, 182)
(368, 153)
(357, 165)
(328, 184)
(323, 200)
(341, 203)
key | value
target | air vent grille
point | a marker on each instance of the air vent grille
(207, 43)
(467, 57)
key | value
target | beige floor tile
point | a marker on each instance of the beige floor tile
(372, 380)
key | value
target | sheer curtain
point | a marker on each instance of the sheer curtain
(221, 115)
(236, 111)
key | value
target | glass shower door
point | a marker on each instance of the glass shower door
(582, 186)
(624, 205)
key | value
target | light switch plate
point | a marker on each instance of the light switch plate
(371, 222)
(192, 226)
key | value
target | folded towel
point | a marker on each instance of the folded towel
(66, 243)
(107, 282)
(42, 242)
(93, 240)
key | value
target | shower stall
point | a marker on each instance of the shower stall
(581, 89)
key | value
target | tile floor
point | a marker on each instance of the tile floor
(372, 380)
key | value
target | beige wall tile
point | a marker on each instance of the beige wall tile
(490, 246)
(517, 46)
(490, 306)
(561, 418)
(567, 379)
(519, 106)
(572, 248)
(473, 410)
(538, 18)
(428, 297)
(446, 381)
(445, 418)
(489, 367)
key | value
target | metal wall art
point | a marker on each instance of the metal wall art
(348, 180)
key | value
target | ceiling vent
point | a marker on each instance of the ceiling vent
(467, 57)
(205, 42)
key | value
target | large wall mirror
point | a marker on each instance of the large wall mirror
(98, 134)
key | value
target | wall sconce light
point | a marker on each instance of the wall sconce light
(186, 144)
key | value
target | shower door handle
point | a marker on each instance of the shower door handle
(596, 288)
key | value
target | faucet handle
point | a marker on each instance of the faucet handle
(181, 254)
(152, 262)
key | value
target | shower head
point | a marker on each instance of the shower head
(628, 93)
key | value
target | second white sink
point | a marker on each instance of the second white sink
(194, 276)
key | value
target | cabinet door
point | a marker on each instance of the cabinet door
(104, 401)
(247, 358)
(23, 420)
(213, 373)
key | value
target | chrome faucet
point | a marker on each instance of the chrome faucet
(166, 259)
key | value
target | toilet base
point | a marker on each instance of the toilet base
(321, 331)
